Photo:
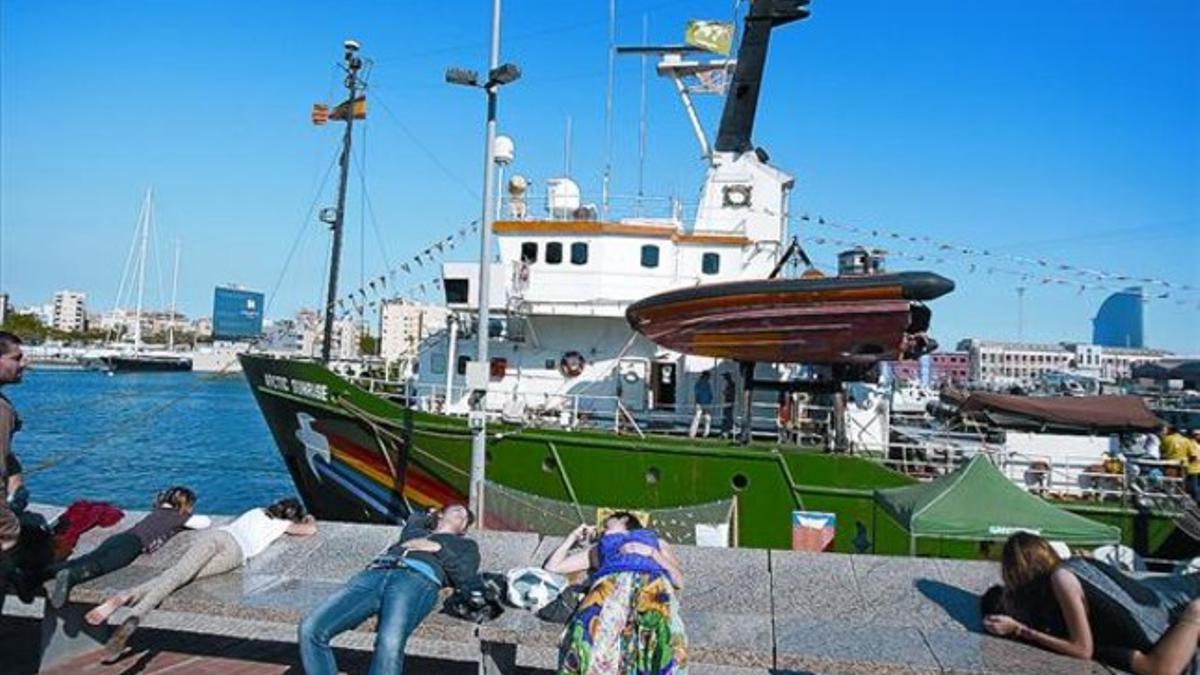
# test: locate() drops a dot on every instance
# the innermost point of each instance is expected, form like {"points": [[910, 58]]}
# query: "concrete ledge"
{"points": [[745, 611]]}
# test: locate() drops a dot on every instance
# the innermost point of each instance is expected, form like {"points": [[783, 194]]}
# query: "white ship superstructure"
{"points": [[565, 276]]}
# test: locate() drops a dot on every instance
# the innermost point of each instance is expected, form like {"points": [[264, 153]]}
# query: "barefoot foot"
{"points": [[100, 613]]}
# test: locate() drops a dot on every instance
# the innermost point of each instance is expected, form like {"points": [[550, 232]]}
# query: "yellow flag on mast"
{"points": [[711, 36]]}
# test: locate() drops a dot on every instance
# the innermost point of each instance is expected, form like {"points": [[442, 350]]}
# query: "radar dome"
{"points": [[503, 149]]}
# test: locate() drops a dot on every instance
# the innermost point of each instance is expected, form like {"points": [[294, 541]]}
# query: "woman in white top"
{"points": [[214, 552]]}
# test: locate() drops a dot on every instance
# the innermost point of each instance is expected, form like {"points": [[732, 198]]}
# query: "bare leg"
{"points": [[148, 595], [1175, 649], [100, 613]]}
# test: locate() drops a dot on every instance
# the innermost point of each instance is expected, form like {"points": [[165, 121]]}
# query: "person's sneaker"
{"points": [[62, 588], [20, 582], [120, 637]]}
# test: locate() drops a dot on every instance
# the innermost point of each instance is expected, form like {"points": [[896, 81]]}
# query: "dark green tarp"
{"points": [[978, 502]]}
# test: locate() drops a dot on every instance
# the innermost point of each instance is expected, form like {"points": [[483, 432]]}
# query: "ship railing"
{"points": [[629, 208], [809, 426], [532, 206], [1097, 478], [935, 455]]}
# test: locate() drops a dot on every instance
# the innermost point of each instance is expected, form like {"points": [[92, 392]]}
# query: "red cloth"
{"points": [[80, 517]]}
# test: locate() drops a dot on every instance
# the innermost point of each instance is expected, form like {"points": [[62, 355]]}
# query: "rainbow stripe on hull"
{"points": [[364, 473]]}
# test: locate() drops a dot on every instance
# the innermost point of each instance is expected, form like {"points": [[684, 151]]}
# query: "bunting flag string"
{"points": [[428, 254], [1084, 272], [1024, 276]]}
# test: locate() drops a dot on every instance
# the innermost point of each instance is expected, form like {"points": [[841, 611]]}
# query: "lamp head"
{"points": [[462, 76]]}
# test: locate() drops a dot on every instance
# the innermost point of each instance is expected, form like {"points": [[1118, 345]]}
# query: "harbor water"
{"points": [[120, 438]]}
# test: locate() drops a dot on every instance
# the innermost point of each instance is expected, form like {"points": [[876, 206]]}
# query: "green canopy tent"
{"points": [[977, 502]]}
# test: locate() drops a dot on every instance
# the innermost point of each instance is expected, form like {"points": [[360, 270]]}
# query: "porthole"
{"points": [[549, 465], [739, 482], [652, 475]]}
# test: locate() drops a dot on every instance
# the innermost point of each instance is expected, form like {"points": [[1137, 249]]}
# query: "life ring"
{"points": [[571, 364]]}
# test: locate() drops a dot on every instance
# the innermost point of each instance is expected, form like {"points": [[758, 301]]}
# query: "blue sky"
{"points": [[1066, 130]]}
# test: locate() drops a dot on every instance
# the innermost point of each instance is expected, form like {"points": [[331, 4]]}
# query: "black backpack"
{"points": [[480, 603]]}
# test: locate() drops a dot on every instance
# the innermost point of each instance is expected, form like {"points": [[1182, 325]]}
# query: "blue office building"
{"points": [[237, 313], [1119, 321]]}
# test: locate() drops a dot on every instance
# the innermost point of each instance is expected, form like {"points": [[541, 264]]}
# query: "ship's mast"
{"points": [[147, 209], [352, 65], [737, 118]]}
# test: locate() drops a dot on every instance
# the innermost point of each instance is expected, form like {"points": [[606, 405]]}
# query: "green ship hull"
{"points": [[358, 456]]}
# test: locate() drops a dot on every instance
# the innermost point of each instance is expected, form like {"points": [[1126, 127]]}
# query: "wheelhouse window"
{"points": [[579, 253], [554, 253], [710, 263], [529, 251], [457, 291], [437, 363], [461, 366], [650, 256]]}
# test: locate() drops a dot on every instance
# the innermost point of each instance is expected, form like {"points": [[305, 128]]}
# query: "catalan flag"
{"points": [[320, 114]]}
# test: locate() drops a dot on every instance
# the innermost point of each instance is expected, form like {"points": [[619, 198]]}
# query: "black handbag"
{"points": [[563, 607]]}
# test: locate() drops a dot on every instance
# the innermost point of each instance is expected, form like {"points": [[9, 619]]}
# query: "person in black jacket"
{"points": [[401, 586]]}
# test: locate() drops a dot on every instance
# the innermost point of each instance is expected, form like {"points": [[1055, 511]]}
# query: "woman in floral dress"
{"points": [[628, 623]]}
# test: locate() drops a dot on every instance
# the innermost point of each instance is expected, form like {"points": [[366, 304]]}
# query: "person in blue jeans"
{"points": [[401, 586]]}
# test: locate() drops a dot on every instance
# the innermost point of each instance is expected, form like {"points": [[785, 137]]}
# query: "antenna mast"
{"points": [[352, 65], [608, 107], [174, 292]]}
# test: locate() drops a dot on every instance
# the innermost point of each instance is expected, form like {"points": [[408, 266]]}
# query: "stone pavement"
{"points": [[746, 611]]}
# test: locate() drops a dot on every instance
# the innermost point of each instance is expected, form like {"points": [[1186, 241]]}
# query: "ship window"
{"points": [[529, 252], [437, 364], [650, 256], [579, 253], [461, 366], [551, 364], [457, 291], [553, 253], [710, 263]]}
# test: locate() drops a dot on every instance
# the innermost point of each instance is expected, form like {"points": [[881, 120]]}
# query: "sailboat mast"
{"points": [[174, 292], [352, 66], [147, 208]]}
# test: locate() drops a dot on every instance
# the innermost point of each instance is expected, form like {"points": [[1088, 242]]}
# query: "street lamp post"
{"points": [[479, 373]]}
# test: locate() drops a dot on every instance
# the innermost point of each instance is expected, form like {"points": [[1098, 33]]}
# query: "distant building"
{"points": [[1119, 321], [346, 334], [70, 312], [306, 331], [43, 313], [4, 308], [160, 323], [995, 362], [203, 327], [933, 369], [237, 314], [403, 325]]}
